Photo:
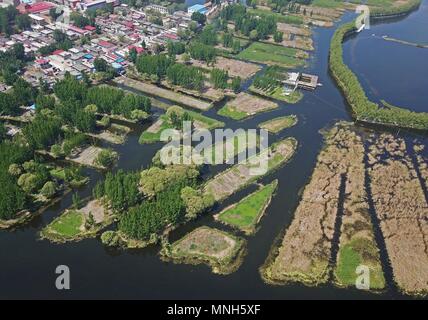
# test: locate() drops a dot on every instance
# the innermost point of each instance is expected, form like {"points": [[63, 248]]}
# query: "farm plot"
{"points": [[234, 67], [240, 175], [245, 105], [274, 54]]}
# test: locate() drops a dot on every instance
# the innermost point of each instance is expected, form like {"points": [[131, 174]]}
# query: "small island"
{"points": [[247, 213], [218, 249]]}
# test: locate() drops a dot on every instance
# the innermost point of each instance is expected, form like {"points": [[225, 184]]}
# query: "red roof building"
{"points": [[138, 49], [37, 7], [105, 44], [57, 52], [90, 28]]}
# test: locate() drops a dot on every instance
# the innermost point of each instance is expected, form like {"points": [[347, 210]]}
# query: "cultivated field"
{"points": [[234, 67], [274, 54], [245, 105], [164, 93], [238, 176]]}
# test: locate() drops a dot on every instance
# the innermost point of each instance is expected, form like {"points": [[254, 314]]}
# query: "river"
{"points": [[27, 265]]}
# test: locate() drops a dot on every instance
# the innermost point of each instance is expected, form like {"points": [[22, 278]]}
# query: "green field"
{"points": [[247, 212], [58, 173], [359, 252], [327, 3], [231, 112], [67, 225], [278, 16], [273, 54], [209, 123], [152, 137], [277, 94]]}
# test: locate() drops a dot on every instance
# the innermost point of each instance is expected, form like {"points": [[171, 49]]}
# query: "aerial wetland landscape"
{"points": [[340, 99]]}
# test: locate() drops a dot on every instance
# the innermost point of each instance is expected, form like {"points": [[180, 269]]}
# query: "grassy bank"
{"points": [[363, 109], [276, 125]]}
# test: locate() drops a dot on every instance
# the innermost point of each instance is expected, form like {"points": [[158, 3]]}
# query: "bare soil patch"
{"points": [[228, 182], [234, 67], [164, 93], [250, 104]]}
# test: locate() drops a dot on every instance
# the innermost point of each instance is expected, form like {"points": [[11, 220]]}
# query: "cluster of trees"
{"points": [[248, 24], [106, 158], [81, 21], [176, 115], [155, 179], [278, 36], [61, 42], [114, 101], [159, 66], [12, 198], [173, 198], [186, 76], [199, 17], [201, 51], [75, 96], [208, 36], [3, 132], [152, 216], [11, 61], [270, 80], [22, 93], [196, 201], [156, 65], [119, 190], [230, 42], [42, 131], [218, 78], [73, 114], [11, 21], [364, 109], [70, 142], [174, 48], [292, 6]]}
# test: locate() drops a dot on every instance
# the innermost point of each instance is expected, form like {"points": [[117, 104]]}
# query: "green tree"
{"points": [[48, 189]]}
